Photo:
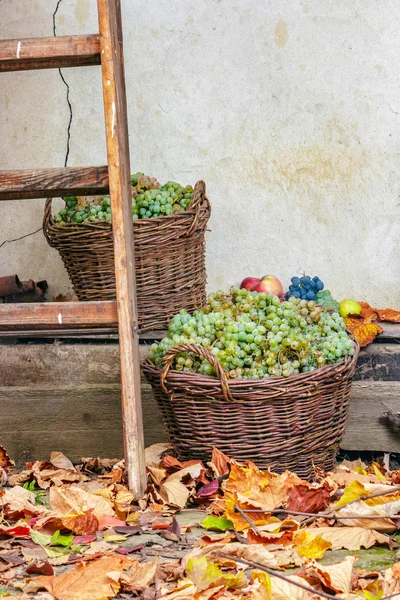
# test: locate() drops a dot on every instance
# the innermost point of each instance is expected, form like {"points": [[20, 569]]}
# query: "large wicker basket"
{"points": [[279, 423], [169, 259]]}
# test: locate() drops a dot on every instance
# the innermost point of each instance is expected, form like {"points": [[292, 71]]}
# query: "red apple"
{"points": [[269, 284], [249, 283]]}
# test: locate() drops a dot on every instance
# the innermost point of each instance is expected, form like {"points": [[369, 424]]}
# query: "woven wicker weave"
{"points": [[279, 423], [169, 258]]}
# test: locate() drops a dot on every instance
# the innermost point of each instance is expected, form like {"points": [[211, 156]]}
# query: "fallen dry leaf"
{"points": [[350, 538], [220, 462], [206, 574], [139, 576], [89, 581], [74, 500], [18, 502], [5, 460], [364, 333], [60, 461], [388, 314], [304, 498], [155, 453], [174, 493], [335, 577], [84, 523]]}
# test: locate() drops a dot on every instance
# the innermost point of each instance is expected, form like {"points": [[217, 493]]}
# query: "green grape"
{"points": [[255, 336]]}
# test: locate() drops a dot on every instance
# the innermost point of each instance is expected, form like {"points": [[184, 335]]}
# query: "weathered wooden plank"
{"points": [[50, 52], [115, 110], [77, 420], [46, 183], [379, 362], [391, 332], [57, 315], [366, 429]]}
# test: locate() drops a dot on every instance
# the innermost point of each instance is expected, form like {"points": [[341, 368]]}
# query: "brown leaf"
{"points": [[154, 454], [334, 577], [350, 538], [5, 460], [174, 493], [368, 314], [304, 498], [60, 461], [96, 580], [388, 314], [18, 502], [157, 475], [220, 462], [74, 500], [84, 523], [139, 576]]}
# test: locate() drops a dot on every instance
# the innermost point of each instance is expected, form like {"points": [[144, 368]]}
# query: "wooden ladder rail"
{"points": [[105, 49]]}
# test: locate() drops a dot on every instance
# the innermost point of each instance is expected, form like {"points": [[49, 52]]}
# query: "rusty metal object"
{"points": [[12, 290], [10, 285]]}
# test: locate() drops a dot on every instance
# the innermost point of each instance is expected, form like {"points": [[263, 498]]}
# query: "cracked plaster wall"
{"points": [[289, 110]]}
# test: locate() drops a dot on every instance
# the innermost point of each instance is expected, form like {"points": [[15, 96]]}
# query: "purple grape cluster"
{"points": [[305, 288]]}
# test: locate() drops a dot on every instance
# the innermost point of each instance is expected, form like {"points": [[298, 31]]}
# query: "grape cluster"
{"points": [[304, 288], [254, 336], [325, 298], [149, 199]]}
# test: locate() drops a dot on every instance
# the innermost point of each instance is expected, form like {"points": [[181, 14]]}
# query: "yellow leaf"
{"points": [[264, 590], [310, 545], [117, 537], [207, 575], [352, 492], [378, 473]]}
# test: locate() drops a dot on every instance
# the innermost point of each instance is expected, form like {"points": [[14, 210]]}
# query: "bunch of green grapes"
{"points": [[254, 336], [326, 299], [149, 199], [168, 199]]}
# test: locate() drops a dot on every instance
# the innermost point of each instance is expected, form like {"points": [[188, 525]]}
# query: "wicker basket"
{"points": [[279, 423], [169, 259]]}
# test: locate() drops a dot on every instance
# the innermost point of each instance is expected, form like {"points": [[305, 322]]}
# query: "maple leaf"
{"points": [[335, 577], [75, 500], [388, 314], [83, 523], [96, 580], [350, 538], [304, 498], [364, 333], [309, 545], [219, 462], [368, 314]]}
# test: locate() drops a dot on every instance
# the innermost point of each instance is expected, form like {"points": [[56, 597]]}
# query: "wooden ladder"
{"points": [[106, 50]]}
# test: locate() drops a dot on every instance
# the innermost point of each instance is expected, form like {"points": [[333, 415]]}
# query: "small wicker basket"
{"points": [[279, 423], [169, 260]]}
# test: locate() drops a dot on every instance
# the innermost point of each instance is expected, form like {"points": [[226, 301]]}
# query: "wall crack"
{"points": [[68, 90]]}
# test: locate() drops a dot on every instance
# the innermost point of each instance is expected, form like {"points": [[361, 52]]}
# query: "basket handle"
{"points": [[46, 219], [199, 197], [201, 351]]}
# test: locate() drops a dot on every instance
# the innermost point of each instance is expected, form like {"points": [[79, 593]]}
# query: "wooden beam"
{"points": [[50, 52], [48, 183], [112, 63], [58, 315]]}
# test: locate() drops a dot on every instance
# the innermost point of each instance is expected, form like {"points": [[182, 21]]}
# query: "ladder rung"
{"points": [[58, 315], [46, 183], [50, 52]]}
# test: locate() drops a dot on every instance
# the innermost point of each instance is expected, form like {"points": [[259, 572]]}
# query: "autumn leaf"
{"points": [[154, 454], [205, 575], [309, 545], [18, 502], [74, 500], [368, 314], [139, 576], [354, 491], [288, 590], [174, 493], [264, 591], [5, 460], [350, 538], [335, 577], [304, 498], [388, 314], [60, 461], [83, 523], [89, 581], [220, 462], [364, 333]]}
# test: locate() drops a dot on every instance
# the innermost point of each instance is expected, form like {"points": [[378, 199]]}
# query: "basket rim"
{"points": [[107, 225], [267, 382]]}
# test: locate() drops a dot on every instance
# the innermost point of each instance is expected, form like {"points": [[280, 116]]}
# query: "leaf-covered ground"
{"points": [[212, 531]]}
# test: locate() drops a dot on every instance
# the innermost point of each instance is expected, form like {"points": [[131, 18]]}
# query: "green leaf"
{"points": [[217, 523], [57, 551], [40, 538], [61, 540]]}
